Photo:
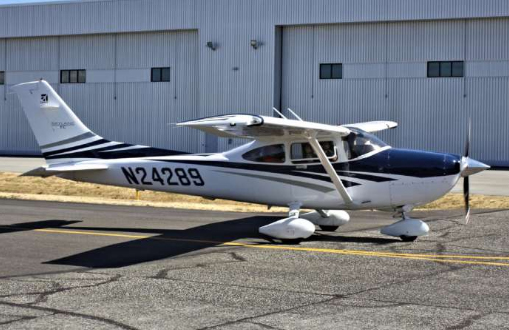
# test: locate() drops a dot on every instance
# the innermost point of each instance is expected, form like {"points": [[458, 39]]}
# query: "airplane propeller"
{"points": [[469, 166]]}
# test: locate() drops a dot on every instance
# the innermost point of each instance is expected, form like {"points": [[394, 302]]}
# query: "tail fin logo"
{"points": [[44, 98], [62, 124]]}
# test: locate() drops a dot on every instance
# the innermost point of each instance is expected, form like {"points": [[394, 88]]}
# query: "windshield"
{"points": [[359, 143]]}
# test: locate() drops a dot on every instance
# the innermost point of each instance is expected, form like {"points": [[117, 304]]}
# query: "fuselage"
{"points": [[381, 179]]}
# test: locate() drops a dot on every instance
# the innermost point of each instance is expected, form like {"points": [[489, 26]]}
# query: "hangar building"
{"points": [[128, 68]]}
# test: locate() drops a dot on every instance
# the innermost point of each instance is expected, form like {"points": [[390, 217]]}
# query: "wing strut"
{"points": [[329, 168]]}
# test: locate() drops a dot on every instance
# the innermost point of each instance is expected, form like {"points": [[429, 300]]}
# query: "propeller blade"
{"points": [[469, 132], [466, 197]]}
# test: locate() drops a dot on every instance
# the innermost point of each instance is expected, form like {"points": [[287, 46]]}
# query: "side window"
{"points": [[267, 154], [2, 77], [304, 153]]}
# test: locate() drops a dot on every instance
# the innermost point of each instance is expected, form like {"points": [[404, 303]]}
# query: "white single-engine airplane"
{"points": [[291, 163]]}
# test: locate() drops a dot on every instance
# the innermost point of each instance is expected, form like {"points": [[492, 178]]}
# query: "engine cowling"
{"points": [[289, 228], [334, 218]]}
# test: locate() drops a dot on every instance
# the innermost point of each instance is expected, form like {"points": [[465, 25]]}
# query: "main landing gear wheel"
{"points": [[328, 228], [295, 241], [405, 238]]}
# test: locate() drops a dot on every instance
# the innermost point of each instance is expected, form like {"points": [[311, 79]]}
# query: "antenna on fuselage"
{"points": [[279, 113], [294, 114]]}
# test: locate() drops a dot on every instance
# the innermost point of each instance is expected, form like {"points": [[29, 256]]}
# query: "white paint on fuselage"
{"points": [[249, 185]]}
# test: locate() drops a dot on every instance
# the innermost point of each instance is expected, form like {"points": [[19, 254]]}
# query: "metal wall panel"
{"points": [[23, 76], [32, 54], [3, 54], [406, 70], [299, 70], [430, 112], [350, 43], [488, 39], [487, 69], [86, 17], [424, 41], [488, 105], [90, 52], [146, 50], [236, 77]]}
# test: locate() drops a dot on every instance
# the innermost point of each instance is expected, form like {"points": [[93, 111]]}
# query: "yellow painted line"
{"points": [[381, 254], [95, 233], [372, 254], [390, 254]]}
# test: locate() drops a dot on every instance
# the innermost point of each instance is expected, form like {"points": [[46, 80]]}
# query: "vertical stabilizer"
{"points": [[54, 124]]}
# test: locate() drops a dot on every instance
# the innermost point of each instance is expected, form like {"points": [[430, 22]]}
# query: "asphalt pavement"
{"points": [[109, 267]]}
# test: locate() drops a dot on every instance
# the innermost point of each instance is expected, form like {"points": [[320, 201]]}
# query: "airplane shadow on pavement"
{"points": [[27, 226], [169, 243]]}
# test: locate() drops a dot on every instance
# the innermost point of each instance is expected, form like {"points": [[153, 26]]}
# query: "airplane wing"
{"points": [[46, 171], [373, 126], [254, 126]]}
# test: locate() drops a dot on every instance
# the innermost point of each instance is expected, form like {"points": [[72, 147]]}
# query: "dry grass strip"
{"points": [[56, 189]]}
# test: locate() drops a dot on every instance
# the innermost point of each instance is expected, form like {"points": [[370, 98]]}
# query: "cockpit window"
{"points": [[304, 153], [359, 143], [267, 154]]}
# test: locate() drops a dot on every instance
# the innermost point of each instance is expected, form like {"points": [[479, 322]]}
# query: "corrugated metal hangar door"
{"points": [[333, 101], [118, 100], [384, 77]]}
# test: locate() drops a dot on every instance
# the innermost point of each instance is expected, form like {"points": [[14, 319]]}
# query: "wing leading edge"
{"points": [[254, 127], [374, 126]]}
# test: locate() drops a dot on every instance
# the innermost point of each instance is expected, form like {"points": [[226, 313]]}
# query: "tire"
{"points": [[405, 238], [295, 241], [328, 228]]}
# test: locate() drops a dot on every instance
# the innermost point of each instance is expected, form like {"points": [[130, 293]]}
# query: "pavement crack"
{"points": [[163, 273], [250, 319], [450, 268], [265, 326], [251, 287], [69, 313], [42, 296], [466, 322], [19, 318], [344, 302]]}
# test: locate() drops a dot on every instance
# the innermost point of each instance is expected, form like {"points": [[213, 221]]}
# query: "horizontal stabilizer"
{"points": [[46, 171]]}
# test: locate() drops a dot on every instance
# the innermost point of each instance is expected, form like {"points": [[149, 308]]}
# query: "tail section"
{"points": [[62, 136], [55, 126]]}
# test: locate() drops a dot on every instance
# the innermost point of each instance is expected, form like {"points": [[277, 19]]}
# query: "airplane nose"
{"points": [[471, 166]]}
